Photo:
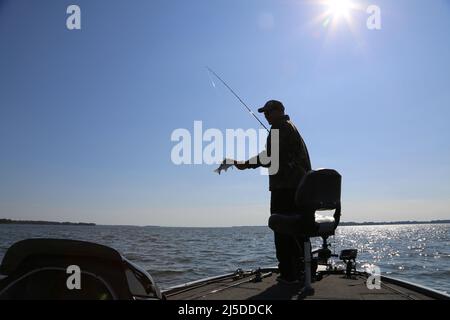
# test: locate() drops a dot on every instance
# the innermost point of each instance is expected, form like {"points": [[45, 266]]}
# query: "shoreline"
{"points": [[44, 223], [342, 224]]}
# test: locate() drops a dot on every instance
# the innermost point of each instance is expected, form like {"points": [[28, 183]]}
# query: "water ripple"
{"points": [[179, 255]]}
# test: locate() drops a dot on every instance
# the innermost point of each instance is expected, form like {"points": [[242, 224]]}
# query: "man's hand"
{"points": [[241, 165]]}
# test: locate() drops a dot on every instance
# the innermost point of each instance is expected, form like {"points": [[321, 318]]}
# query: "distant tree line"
{"points": [[392, 223], [9, 221]]}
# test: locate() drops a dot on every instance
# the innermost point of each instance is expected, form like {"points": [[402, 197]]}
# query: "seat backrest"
{"points": [[319, 190], [38, 260]]}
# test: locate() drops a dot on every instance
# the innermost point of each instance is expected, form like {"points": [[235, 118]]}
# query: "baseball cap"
{"points": [[271, 105]]}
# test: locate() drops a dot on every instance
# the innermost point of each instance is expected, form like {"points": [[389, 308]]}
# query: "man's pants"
{"points": [[289, 254]]}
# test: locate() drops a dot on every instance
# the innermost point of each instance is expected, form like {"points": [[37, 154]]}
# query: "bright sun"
{"points": [[336, 11], [339, 8]]}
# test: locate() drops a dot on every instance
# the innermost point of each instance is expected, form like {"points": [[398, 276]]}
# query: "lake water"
{"points": [[416, 253]]}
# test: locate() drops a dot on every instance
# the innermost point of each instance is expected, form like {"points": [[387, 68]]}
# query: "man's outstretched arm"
{"points": [[252, 163]]}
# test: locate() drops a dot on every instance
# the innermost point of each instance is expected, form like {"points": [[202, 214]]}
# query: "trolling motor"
{"points": [[349, 258]]}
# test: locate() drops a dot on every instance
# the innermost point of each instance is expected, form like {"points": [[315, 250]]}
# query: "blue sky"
{"points": [[86, 116]]}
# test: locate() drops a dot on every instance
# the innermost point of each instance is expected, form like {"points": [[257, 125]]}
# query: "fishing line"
{"points": [[212, 80], [235, 94]]}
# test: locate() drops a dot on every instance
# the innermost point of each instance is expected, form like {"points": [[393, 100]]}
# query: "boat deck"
{"points": [[331, 286]]}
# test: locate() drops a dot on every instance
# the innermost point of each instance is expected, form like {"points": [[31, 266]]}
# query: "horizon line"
{"points": [[342, 223]]}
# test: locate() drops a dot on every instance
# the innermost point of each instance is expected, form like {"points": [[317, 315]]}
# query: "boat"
{"points": [[37, 269], [70, 270]]}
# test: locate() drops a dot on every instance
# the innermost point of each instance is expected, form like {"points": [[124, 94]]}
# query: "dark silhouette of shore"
{"points": [[392, 223], [49, 223]]}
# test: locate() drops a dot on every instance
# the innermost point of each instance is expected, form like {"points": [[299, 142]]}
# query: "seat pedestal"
{"points": [[307, 289], [291, 225]]}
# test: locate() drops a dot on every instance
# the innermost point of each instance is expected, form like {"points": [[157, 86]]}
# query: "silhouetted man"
{"points": [[294, 163]]}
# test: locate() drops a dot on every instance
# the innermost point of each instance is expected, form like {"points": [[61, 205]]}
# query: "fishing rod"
{"points": [[234, 93]]}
